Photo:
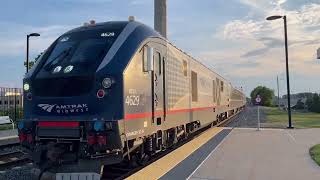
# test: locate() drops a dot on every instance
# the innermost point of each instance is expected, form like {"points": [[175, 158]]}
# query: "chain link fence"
{"points": [[11, 103]]}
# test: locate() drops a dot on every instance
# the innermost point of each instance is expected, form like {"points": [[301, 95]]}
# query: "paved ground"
{"points": [[179, 163], [248, 154], [6, 133], [8, 137], [248, 118]]}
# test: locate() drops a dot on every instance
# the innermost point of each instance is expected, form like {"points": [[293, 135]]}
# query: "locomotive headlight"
{"points": [[107, 82], [26, 87]]}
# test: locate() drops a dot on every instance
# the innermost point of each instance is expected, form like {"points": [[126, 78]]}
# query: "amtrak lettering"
{"points": [[64, 109], [134, 133]]}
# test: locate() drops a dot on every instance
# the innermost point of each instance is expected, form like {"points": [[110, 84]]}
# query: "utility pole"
{"points": [[278, 92], [160, 17]]}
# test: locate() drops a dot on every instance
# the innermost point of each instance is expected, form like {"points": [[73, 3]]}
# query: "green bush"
{"points": [[313, 103], [265, 93]]}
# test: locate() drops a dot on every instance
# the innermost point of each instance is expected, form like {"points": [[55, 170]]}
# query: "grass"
{"points": [[315, 153], [277, 117]]}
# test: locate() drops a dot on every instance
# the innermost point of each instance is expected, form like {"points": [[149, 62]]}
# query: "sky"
{"points": [[231, 37]]}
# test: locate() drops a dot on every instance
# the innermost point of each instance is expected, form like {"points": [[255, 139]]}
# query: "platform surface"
{"points": [[8, 137], [267, 154], [182, 161], [8, 133]]}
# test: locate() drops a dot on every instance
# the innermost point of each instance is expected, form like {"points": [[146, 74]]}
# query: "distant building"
{"points": [[10, 98], [293, 100]]}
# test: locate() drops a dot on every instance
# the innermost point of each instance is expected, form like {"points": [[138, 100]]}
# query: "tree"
{"points": [[265, 93], [299, 105], [31, 63], [313, 103]]}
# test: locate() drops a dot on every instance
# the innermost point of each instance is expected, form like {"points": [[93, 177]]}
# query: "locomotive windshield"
{"points": [[78, 53], [68, 67]]}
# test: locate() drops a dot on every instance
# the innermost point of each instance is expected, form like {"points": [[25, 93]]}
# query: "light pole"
{"points": [[270, 18], [28, 36], [278, 92]]}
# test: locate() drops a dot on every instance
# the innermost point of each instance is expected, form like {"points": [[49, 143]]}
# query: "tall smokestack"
{"points": [[160, 17]]}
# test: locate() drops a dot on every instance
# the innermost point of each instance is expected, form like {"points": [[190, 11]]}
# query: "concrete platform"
{"points": [[9, 137], [267, 154], [182, 161]]}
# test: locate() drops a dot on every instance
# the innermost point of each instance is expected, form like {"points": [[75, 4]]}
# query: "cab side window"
{"points": [[144, 59], [157, 63]]}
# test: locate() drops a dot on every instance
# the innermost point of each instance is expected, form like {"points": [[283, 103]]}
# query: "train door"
{"points": [[158, 109]]}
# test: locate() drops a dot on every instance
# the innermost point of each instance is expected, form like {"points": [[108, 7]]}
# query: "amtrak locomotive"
{"points": [[107, 92]]}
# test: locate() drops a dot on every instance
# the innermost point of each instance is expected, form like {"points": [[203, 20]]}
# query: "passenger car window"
{"points": [[194, 86], [185, 68], [214, 90], [221, 86]]}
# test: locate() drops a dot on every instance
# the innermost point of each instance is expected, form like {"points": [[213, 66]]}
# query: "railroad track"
{"points": [[227, 121], [11, 156]]}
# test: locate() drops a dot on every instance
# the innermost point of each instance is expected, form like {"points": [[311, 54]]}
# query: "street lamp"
{"points": [[271, 18], [28, 36]]}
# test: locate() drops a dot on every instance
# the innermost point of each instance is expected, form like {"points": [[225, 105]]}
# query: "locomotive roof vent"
{"points": [[92, 22], [131, 18]]}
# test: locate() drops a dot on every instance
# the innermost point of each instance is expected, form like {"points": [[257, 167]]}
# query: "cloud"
{"points": [[16, 44], [139, 2], [88, 1], [263, 6], [256, 52], [310, 15], [239, 29], [259, 44]]}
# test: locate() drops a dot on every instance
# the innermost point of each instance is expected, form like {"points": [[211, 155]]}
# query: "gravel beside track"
{"points": [[20, 172], [17, 173], [9, 148]]}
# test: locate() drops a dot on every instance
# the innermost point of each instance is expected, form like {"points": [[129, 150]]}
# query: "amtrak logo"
{"points": [[47, 107], [64, 109]]}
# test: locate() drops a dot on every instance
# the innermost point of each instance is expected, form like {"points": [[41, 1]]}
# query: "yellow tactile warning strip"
{"points": [[160, 167]]}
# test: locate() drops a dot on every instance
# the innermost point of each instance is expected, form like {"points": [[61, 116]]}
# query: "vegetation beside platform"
{"points": [[315, 153], [279, 118]]}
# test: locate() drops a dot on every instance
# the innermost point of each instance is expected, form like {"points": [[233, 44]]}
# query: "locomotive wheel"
{"points": [[142, 158]]}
